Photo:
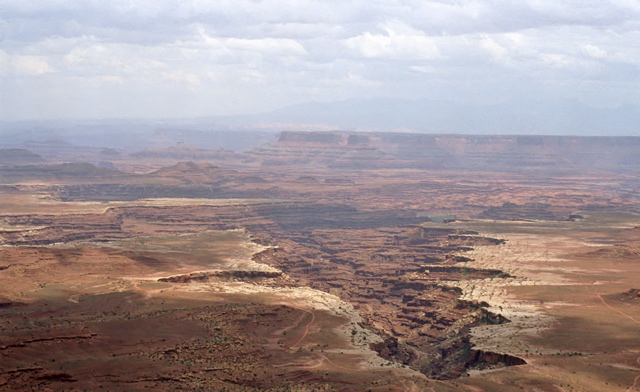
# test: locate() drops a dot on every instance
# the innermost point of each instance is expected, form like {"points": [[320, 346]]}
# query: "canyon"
{"points": [[323, 261]]}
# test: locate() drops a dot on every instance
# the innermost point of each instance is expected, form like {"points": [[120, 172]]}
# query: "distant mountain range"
{"points": [[244, 132]]}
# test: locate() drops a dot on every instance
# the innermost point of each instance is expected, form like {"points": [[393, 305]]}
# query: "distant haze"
{"points": [[500, 67]]}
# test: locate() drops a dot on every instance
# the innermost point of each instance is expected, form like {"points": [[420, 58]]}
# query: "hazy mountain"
{"points": [[245, 132]]}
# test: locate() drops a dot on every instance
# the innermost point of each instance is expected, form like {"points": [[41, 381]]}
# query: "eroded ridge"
{"points": [[339, 261]]}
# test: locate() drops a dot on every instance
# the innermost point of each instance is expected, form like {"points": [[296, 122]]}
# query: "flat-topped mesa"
{"points": [[478, 152], [71, 172], [311, 137], [196, 173], [336, 138], [185, 152], [18, 156], [325, 149]]}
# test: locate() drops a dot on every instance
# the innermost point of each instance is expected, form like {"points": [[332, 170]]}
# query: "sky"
{"points": [[95, 59]]}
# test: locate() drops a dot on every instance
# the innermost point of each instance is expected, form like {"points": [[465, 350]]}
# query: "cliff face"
{"points": [[478, 152], [381, 262], [323, 149]]}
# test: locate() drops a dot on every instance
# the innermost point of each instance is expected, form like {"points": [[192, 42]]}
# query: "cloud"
{"points": [[497, 52], [201, 57], [273, 46], [399, 41], [20, 66]]}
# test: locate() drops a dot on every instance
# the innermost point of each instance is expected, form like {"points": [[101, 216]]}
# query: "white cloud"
{"points": [[498, 52], [594, 51], [352, 79], [186, 78], [200, 57], [272, 46], [20, 66], [398, 42]]}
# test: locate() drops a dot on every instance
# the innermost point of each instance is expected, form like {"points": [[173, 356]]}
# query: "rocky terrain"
{"points": [[322, 261], [18, 156], [501, 153]]}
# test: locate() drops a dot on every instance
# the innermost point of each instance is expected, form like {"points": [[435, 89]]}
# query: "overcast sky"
{"points": [[161, 59]]}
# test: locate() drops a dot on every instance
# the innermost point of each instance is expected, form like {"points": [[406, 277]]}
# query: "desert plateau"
{"points": [[322, 261]]}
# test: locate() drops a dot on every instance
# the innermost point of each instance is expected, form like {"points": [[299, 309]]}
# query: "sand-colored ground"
{"points": [[569, 318], [132, 281], [323, 341]]}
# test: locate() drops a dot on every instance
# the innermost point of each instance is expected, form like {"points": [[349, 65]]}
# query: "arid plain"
{"points": [[323, 261]]}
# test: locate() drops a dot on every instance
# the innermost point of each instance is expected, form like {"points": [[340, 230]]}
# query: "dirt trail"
{"points": [[317, 362], [634, 385], [306, 329], [586, 285], [636, 379], [616, 310]]}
